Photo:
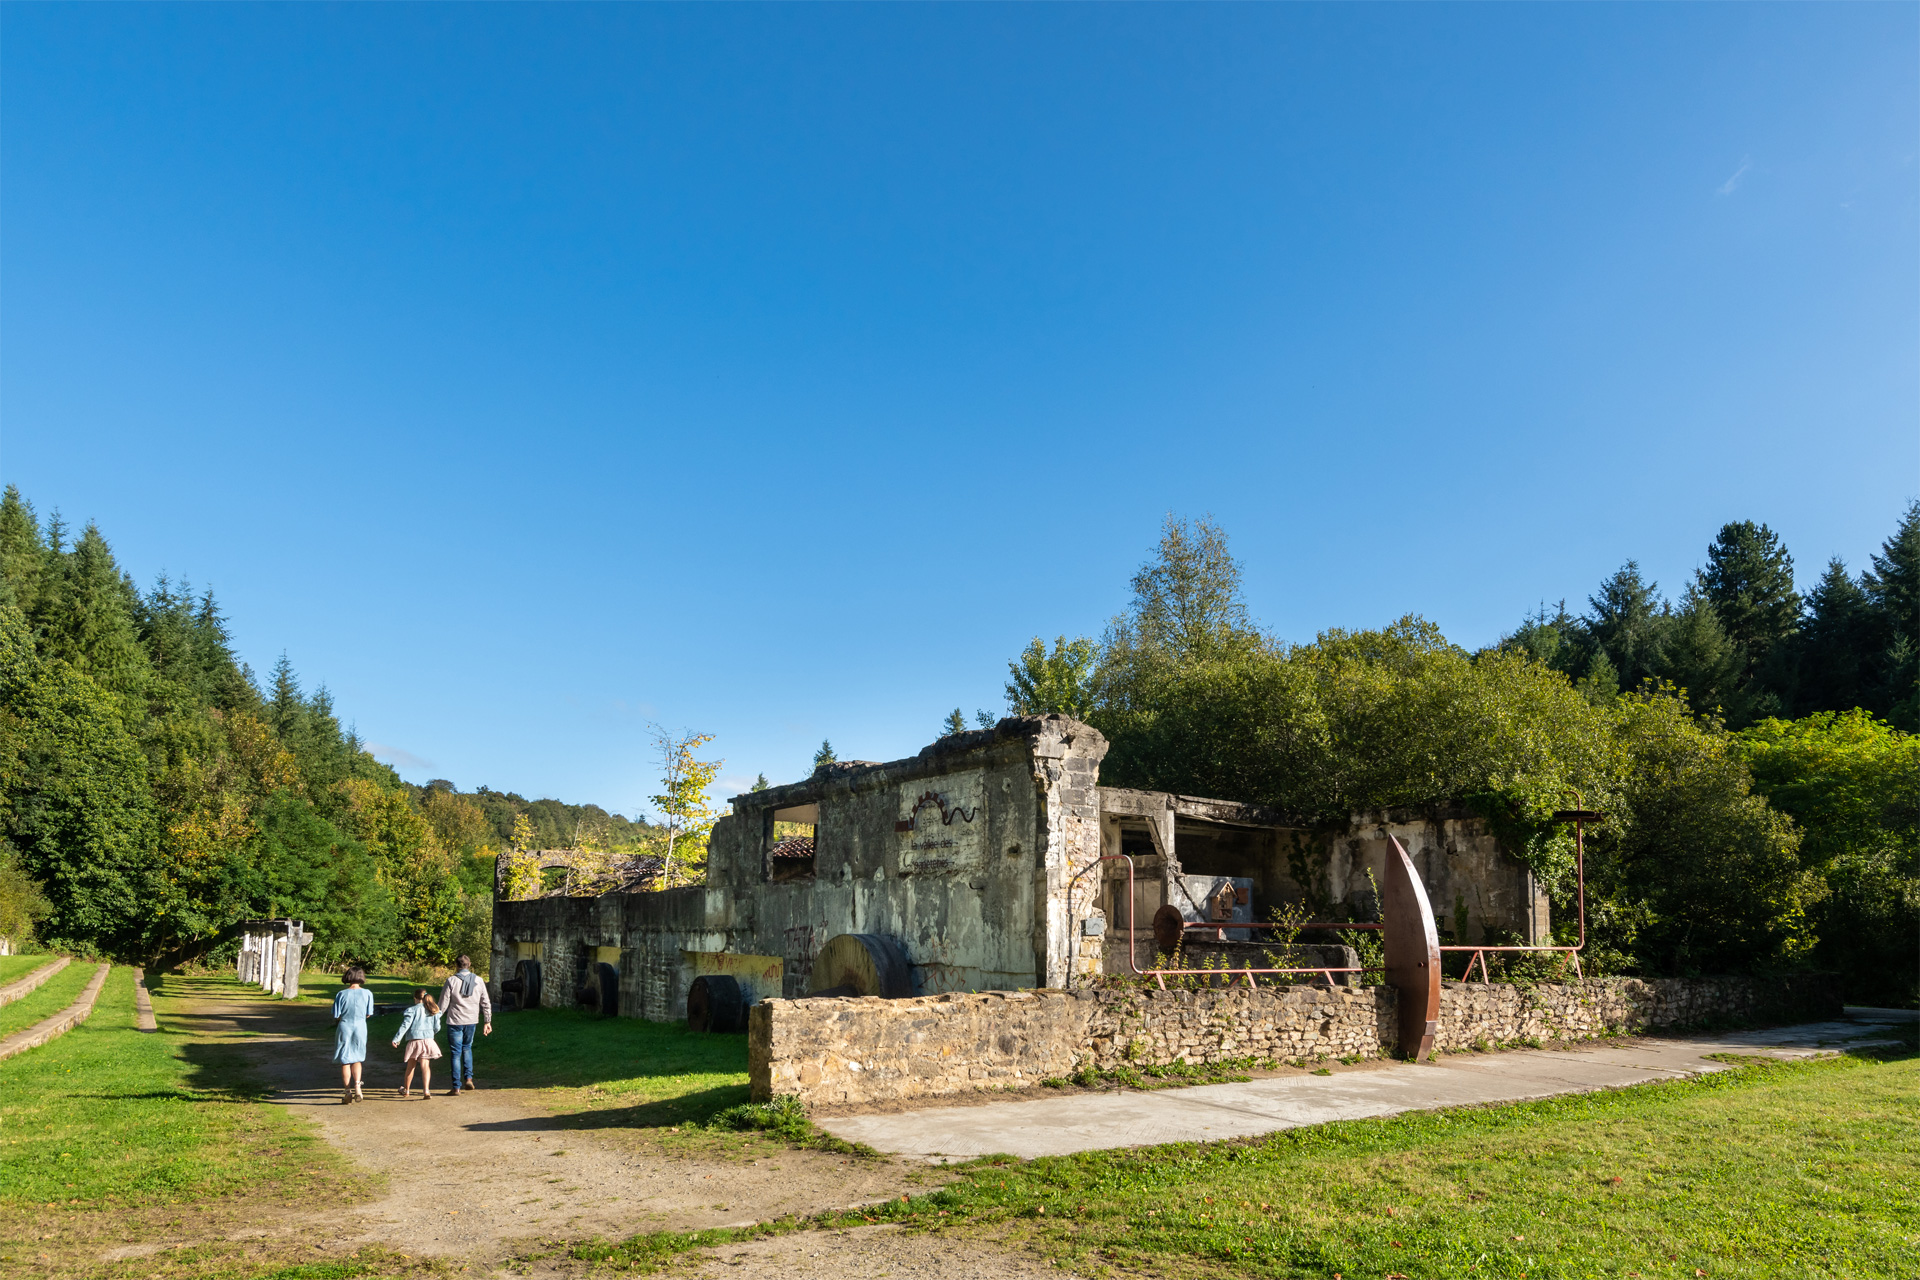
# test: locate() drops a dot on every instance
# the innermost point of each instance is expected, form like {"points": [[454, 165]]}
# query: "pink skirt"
{"points": [[418, 1049]]}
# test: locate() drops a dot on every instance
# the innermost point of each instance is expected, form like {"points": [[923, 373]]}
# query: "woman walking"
{"points": [[351, 1008], [418, 1028]]}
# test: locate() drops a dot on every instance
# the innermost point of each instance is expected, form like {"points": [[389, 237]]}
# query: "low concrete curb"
{"points": [[24, 986], [60, 1023], [143, 1019]]}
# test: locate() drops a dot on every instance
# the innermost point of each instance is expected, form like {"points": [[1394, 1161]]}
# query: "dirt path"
{"points": [[475, 1175]]}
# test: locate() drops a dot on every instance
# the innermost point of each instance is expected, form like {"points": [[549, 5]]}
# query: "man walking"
{"points": [[464, 1006]]}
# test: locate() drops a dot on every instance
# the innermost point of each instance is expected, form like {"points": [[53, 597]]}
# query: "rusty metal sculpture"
{"points": [[1413, 953]]}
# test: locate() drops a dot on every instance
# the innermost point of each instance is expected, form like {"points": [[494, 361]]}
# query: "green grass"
{"points": [[108, 1115], [53, 995], [13, 967], [1768, 1171], [653, 1074]]}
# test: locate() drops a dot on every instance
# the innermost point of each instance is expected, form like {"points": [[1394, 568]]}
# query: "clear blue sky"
{"points": [[531, 373]]}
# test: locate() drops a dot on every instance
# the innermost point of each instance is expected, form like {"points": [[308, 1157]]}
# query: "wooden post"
{"points": [[1413, 953]]}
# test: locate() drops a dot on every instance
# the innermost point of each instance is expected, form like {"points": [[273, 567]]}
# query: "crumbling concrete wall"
{"points": [[968, 854], [855, 1051], [981, 859]]}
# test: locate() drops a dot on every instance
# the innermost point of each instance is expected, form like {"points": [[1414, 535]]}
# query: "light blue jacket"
{"points": [[417, 1024]]}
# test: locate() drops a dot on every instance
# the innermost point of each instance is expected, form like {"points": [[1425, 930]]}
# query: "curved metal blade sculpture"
{"points": [[1413, 953]]}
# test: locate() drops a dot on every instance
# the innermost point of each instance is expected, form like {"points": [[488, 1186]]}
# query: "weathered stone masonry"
{"points": [[980, 862], [851, 1051]]}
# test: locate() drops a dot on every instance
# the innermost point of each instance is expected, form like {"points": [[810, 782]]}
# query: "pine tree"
{"points": [[824, 756], [1627, 622], [285, 707], [956, 722], [1749, 579], [1701, 658], [82, 616], [1832, 671], [23, 555], [1893, 596]]}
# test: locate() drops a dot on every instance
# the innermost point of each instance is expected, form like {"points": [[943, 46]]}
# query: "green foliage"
{"points": [[23, 905], [1853, 784], [1368, 720], [1748, 579], [1694, 873], [152, 795], [78, 808], [956, 722], [1042, 683], [824, 756]]}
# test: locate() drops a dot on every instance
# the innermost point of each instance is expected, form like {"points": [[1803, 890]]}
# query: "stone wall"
{"points": [[853, 1051], [1478, 1013]]}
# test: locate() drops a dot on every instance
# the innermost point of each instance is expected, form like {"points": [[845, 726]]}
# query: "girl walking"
{"points": [[417, 1028], [350, 1011]]}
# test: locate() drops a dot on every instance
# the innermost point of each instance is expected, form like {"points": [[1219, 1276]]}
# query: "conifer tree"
{"points": [[82, 616], [1893, 594], [1749, 579], [23, 556], [1626, 621], [956, 722], [1830, 667]]}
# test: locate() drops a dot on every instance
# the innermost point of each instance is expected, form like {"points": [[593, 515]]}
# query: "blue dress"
{"points": [[352, 1007]]}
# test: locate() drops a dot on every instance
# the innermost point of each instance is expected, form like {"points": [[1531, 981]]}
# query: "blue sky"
{"points": [[528, 374]]}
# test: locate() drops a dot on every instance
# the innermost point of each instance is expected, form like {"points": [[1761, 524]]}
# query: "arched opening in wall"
{"points": [[596, 986], [790, 842]]}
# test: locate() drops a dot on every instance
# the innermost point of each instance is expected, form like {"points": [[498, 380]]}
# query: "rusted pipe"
{"points": [[1161, 975]]}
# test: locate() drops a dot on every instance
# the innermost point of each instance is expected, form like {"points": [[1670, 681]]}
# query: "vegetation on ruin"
{"points": [[1765, 1170], [1779, 843]]}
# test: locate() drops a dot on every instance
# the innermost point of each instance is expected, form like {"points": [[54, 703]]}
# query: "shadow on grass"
{"points": [[688, 1108], [633, 1074]]}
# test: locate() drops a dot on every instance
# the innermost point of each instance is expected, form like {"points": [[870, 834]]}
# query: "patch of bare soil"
{"points": [[872, 1253]]}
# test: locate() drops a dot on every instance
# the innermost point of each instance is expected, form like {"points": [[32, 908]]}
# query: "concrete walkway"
{"points": [[1060, 1125]]}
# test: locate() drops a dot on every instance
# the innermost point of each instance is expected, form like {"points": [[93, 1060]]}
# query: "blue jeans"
{"points": [[460, 1051]]}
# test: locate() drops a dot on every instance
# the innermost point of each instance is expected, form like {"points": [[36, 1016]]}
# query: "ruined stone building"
{"points": [[978, 865]]}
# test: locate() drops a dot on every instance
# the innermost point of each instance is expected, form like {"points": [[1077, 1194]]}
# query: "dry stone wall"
{"points": [[1478, 1013], [864, 1050]]}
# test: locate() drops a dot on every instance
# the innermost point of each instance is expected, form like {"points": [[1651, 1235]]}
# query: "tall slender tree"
{"points": [[23, 554], [1749, 579], [1893, 593], [1830, 668], [1625, 621]]}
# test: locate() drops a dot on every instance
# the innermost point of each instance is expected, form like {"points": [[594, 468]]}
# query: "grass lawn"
{"points": [[1769, 1171], [108, 1114], [646, 1075], [13, 967], [109, 1136], [53, 995]]}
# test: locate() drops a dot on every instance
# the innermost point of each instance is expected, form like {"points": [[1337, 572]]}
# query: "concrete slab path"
{"points": [[1061, 1125]]}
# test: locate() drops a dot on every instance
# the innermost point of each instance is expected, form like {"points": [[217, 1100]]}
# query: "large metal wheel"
{"points": [[527, 973], [714, 1003], [1168, 926], [865, 964], [609, 990]]}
